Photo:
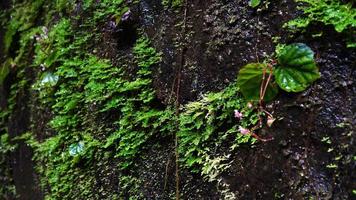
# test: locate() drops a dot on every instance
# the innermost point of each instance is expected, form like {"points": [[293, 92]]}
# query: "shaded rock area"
{"points": [[20, 161], [297, 162], [221, 37], [157, 168], [312, 154]]}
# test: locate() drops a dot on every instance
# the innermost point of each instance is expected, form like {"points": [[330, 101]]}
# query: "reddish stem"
{"points": [[266, 85], [262, 85], [261, 139], [263, 89]]}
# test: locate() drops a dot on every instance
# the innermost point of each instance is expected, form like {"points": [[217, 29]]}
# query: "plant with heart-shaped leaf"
{"points": [[293, 70], [296, 68]]}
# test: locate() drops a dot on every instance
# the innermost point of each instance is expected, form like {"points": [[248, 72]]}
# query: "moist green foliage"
{"points": [[89, 87], [18, 23], [80, 89], [134, 99], [51, 45], [23, 17], [172, 3], [100, 117], [209, 134], [329, 12], [341, 16], [209, 124], [58, 61], [7, 189]]}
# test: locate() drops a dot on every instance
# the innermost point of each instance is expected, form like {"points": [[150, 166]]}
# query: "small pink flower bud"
{"points": [[243, 131], [249, 105], [238, 114]]}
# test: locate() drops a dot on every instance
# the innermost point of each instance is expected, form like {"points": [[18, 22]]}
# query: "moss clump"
{"points": [[329, 12], [341, 16], [209, 134], [210, 124]]}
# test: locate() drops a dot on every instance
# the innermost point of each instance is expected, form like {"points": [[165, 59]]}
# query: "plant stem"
{"points": [[261, 139], [181, 64], [262, 86], [267, 82], [263, 89]]}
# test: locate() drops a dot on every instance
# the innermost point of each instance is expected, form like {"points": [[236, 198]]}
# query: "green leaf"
{"points": [[5, 70], [296, 68], [249, 81], [254, 3]]}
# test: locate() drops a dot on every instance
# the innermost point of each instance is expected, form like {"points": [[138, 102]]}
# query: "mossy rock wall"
{"points": [[98, 92]]}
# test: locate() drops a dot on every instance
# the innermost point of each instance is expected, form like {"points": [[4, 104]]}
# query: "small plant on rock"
{"points": [[293, 70]]}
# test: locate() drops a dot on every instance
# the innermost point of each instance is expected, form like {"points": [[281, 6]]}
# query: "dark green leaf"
{"points": [[250, 79], [296, 68]]}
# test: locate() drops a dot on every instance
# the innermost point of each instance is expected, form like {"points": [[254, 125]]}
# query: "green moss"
{"points": [[131, 187], [172, 3], [7, 188], [52, 44], [208, 125], [103, 117], [22, 18], [341, 16], [329, 12]]}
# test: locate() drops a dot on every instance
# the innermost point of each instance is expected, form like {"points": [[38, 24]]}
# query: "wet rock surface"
{"points": [[314, 141], [157, 168], [221, 36], [301, 162]]}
